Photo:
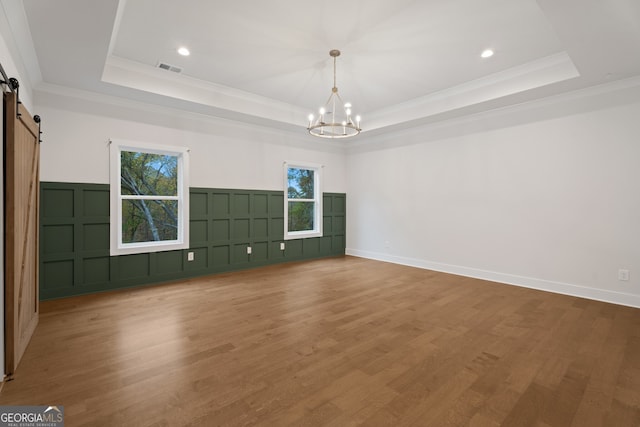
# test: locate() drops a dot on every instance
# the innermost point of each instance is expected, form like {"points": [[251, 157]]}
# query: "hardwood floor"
{"points": [[334, 342]]}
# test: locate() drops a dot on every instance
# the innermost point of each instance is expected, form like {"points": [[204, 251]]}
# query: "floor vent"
{"points": [[168, 67]]}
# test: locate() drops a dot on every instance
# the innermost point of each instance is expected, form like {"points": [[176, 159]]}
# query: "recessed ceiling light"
{"points": [[184, 51], [488, 53]]}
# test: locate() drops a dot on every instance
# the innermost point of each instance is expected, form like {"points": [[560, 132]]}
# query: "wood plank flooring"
{"points": [[334, 342]]}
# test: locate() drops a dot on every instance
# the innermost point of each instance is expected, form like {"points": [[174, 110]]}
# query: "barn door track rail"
{"points": [[13, 85]]}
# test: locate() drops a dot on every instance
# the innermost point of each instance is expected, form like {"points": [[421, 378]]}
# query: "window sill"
{"points": [[302, 235]]}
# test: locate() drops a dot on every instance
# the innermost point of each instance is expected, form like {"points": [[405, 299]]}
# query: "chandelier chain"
{"points": [[334, 73]]}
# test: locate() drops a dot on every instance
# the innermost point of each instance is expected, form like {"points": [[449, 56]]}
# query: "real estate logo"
{"points": [[31, 416]]}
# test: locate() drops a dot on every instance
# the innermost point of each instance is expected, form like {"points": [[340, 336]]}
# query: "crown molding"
{"points": [[130, 74], [86, 102], [585, 99], [542, 72]]}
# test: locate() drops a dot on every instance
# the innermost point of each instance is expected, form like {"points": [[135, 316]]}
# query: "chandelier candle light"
{"points": [[332, 123]]}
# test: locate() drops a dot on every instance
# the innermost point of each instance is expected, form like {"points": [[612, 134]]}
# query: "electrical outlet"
{"points": [[190, 256], [623, 275], [248, 250], [282, 246]]}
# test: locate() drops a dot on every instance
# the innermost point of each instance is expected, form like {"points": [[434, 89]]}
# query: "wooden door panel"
{"points": [[22, 159]]}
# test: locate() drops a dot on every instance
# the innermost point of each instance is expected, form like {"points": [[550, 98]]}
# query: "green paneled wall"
{"points": [[74, 238]]}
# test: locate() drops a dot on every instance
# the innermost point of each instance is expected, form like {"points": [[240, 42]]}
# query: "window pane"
{"points": [[148, 174], [301, 216], [149, 220], [300, 183]]}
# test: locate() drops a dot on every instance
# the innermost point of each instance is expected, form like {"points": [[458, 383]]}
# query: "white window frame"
{"points": [[317, 200], [182, 242]]}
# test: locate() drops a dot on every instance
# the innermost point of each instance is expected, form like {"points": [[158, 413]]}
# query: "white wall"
{"points": [[12, 61], [223, 154], [545, 196]]}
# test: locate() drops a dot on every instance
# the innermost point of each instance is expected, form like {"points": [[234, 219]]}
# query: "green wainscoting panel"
{"points": [[136, 266], [95, 204], [59, 202], [200, 261], [261, 228], [198, 231], [223, 223], [169, 262], [261, 205], [241, 229], [60, 275], [95, 271], [241, 204], [325, 244], [198, 204], [240, 256], [275, 252], [221, 230], [95, 237], [221, 258], [293, 249], [58, 239]]}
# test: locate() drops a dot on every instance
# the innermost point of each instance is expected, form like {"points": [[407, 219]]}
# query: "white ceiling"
{"points": [[403, 62]]}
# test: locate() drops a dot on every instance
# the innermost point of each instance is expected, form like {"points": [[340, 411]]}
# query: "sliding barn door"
{"points": [[22, 184]]}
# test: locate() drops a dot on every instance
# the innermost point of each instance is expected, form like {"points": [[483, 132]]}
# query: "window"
{"points": [[303, 201], [149, 198]]}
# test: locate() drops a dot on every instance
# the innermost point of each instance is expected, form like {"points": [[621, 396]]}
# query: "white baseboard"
{"points": [[619, 298]]}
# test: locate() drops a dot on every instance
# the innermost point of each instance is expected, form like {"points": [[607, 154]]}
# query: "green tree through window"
{"points": [[149, 198], [303, 202], [301, 208], [143, 176]]}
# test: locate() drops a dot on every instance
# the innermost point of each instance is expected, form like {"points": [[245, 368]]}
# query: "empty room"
{"points": [[297, 213]]}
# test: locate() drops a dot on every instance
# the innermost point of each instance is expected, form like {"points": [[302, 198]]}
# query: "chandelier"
{"points": [[335, 119]]}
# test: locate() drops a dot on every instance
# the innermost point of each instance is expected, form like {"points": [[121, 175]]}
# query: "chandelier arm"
{"points": [[344, 109], [341, 102], [333, 110], [329, 99]]}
